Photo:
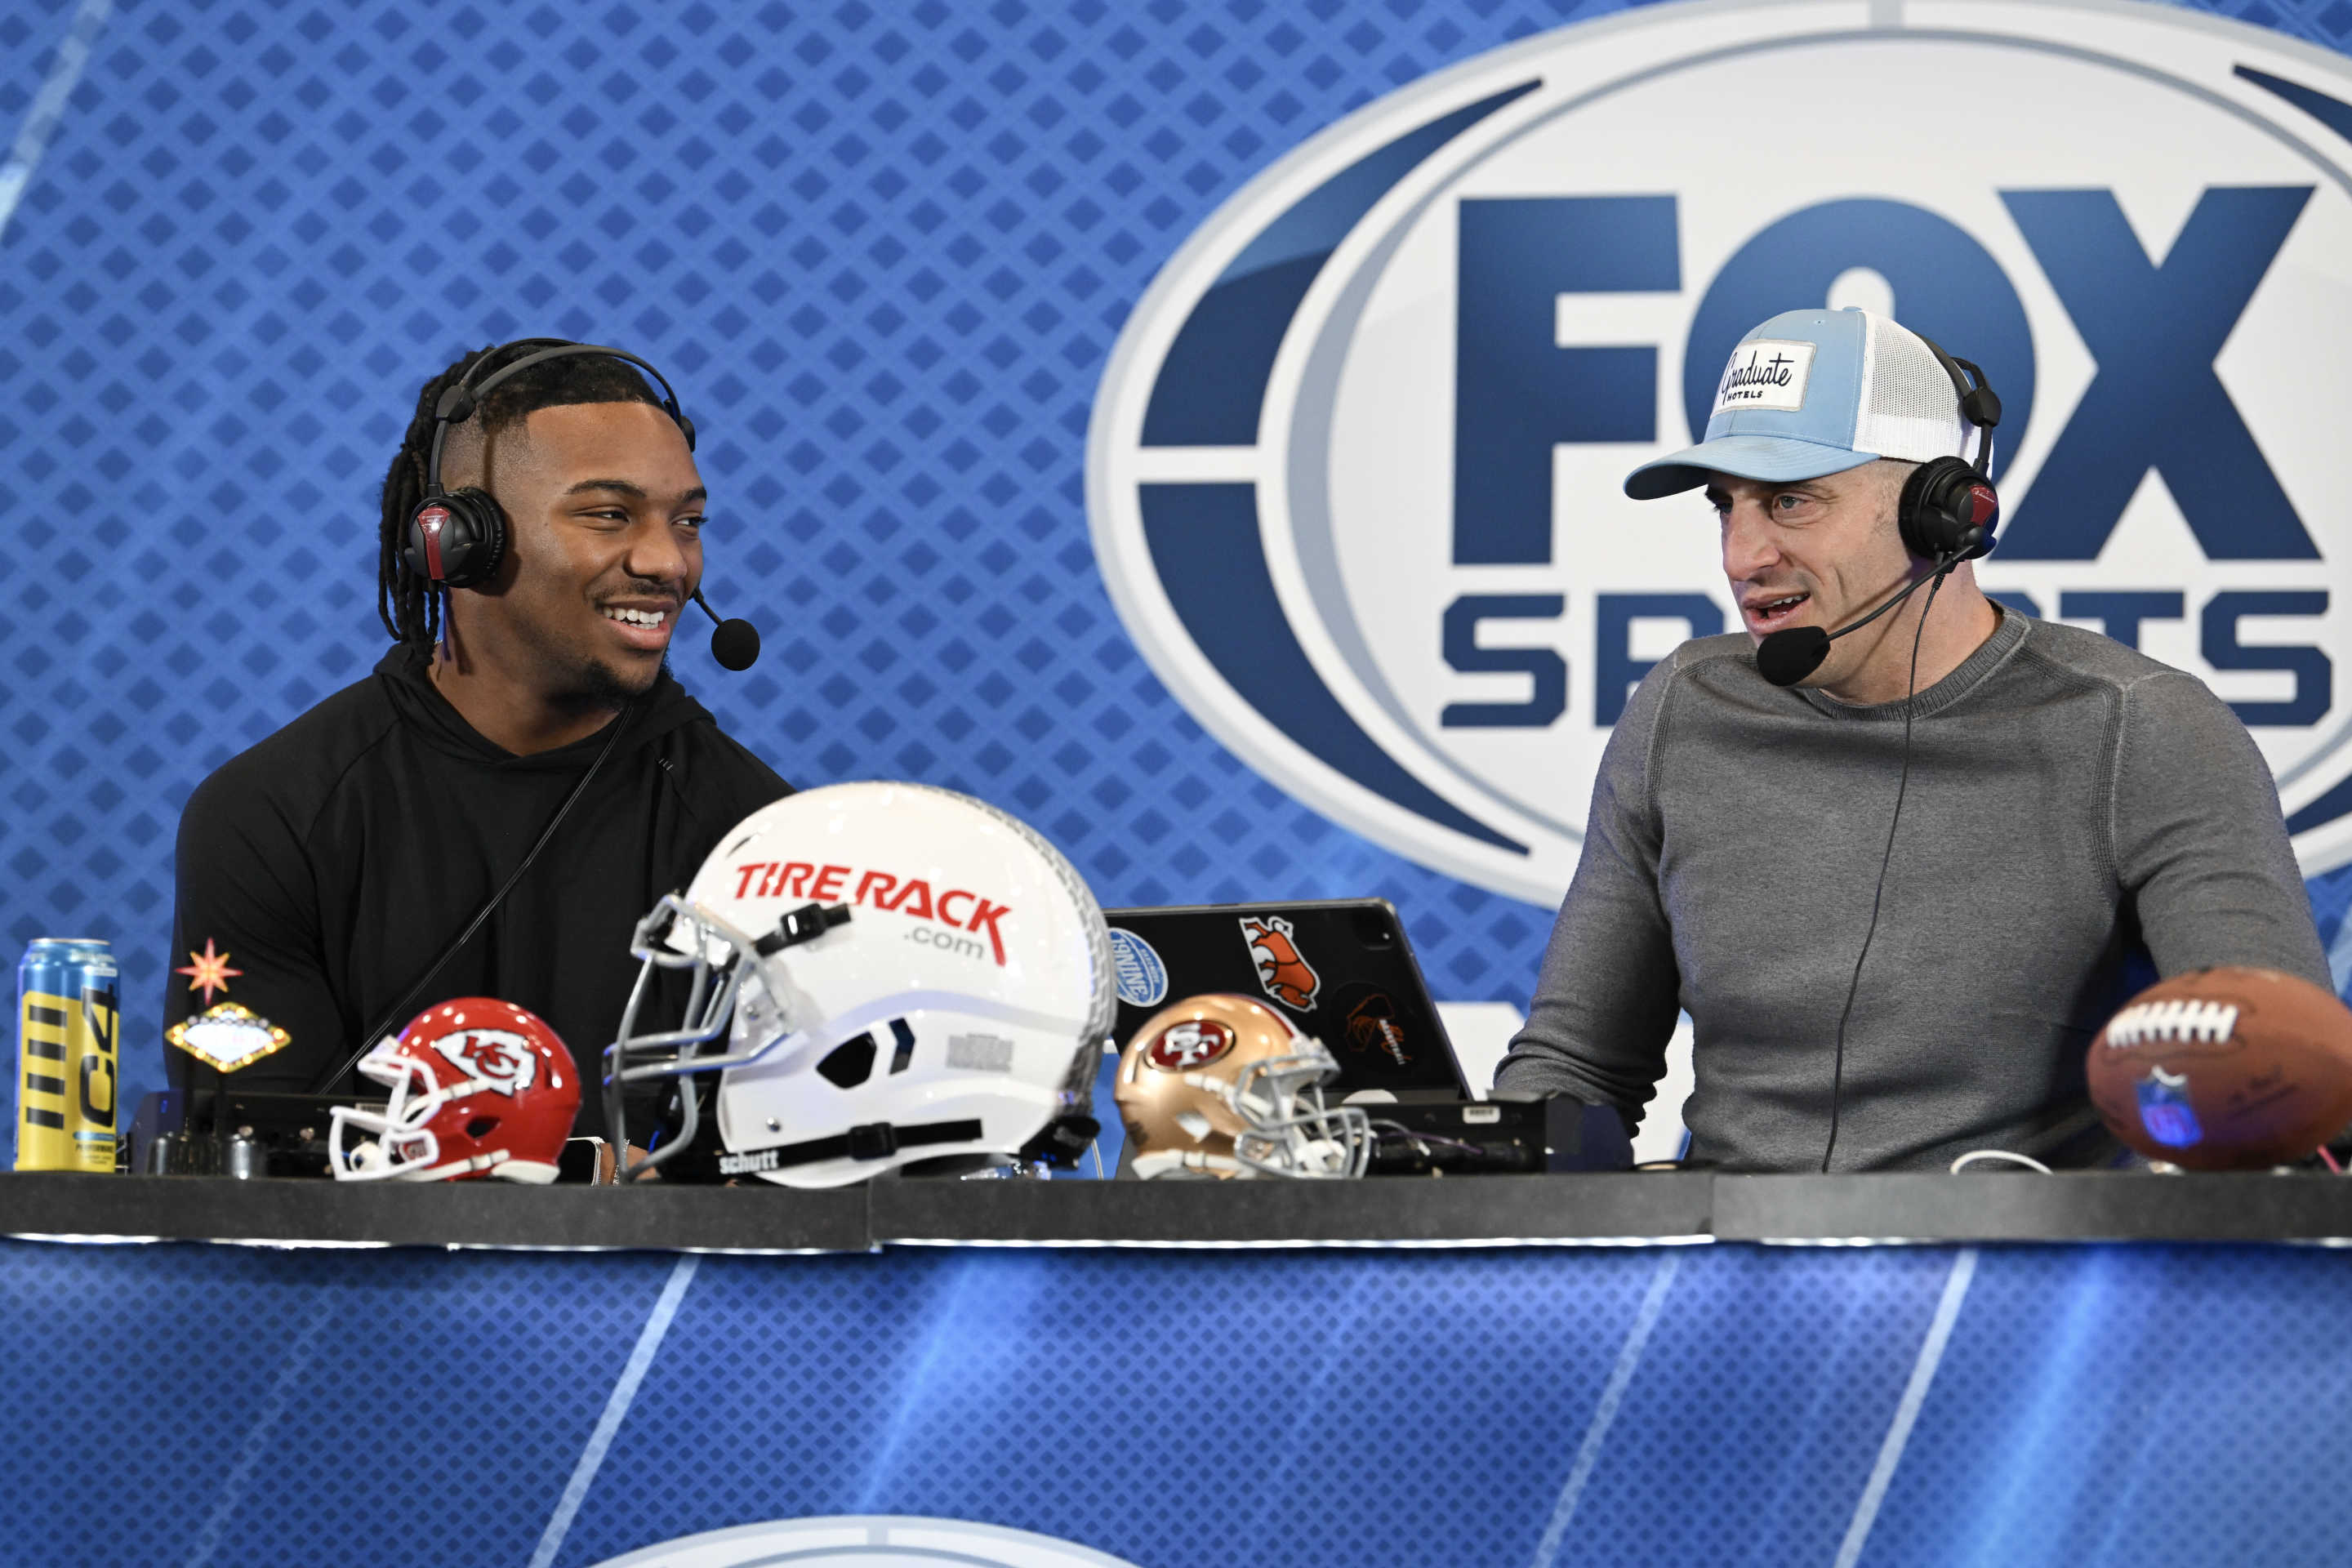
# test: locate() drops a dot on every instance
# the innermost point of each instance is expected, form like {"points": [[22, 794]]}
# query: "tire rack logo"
{"points": [[1353, 471], [798, 880], [501, 1058]]}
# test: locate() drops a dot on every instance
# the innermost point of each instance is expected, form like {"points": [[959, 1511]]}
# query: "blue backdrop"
{"points": [[884, 252], [1723, 1404]]}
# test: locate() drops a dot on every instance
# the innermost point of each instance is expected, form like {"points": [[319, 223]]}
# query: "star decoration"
{"points": [[208, 971]]}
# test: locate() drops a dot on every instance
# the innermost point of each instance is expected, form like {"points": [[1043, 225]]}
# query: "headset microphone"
{"points": [[1786, 657], [735, 644]]}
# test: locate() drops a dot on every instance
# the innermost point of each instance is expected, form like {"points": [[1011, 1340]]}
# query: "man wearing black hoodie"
{"points": [[323, 873]]}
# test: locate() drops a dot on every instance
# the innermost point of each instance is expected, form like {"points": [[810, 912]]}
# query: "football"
{"points": [[2225, 1070]]}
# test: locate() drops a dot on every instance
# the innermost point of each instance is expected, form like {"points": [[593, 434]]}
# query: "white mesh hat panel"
{"points": [[1909, 409], [1846, 386]]}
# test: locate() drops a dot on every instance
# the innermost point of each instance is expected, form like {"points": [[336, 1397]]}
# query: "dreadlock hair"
{"points": [[411, 606]]}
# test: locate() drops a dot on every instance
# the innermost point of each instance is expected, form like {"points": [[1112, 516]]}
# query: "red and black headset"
{"points": [[457, 538], [1948, 509]]}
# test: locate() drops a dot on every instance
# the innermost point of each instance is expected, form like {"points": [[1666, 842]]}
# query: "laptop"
{"points": [[1341, 969]]}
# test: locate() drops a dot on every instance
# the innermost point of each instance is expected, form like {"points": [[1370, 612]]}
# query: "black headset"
{"points": [[455, 539], [1948, 508]]}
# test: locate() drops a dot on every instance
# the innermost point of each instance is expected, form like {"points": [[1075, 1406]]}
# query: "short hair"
{"points": [[410, 606], [1891, 475]]}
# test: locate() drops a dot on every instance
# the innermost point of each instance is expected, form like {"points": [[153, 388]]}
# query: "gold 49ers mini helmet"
{"points": [[1225, 1085]]}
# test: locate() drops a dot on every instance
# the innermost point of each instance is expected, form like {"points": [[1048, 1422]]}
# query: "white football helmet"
{"points": [[901, 972]]}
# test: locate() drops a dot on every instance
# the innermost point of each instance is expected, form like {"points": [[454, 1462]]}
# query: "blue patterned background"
{"points": [[1274, 1410], [882, 250]]}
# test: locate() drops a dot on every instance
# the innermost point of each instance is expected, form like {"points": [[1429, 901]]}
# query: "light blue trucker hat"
{"points": [[1811, 392]]}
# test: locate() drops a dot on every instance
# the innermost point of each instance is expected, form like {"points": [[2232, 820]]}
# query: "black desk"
{"points": [[1483, 1211]]}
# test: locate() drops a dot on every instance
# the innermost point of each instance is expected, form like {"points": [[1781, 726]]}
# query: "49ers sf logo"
{"points": [[501, 1058], [1193, 1043], [1285, 973]]}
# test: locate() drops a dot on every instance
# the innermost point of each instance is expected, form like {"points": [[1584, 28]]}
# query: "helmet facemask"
{"points": [[1287, 1131], [398, 1145], [402, 1145], [676, 935]]}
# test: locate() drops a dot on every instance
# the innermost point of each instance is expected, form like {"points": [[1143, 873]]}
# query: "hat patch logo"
{"points": [[1766, 373]]}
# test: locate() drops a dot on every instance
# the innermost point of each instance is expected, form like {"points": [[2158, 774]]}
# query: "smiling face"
{"points": [[1814, 553], [605, 507]]}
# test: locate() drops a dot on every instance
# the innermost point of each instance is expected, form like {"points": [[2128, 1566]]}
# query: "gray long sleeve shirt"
{"points": [[2069, 799]]}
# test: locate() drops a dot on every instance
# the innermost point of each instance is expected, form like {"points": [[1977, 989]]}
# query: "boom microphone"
{"points": [[736, 644], [1786, 657]]}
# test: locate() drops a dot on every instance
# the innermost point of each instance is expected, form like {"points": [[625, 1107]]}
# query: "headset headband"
{"points": [[457, 403]]}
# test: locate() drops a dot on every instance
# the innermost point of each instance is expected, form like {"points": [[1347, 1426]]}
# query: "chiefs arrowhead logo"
{"points": [[1285, 973], [501, 1058]]}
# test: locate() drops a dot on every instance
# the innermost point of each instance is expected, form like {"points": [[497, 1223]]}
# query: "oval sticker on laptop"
{"points": [[1142, 978]]}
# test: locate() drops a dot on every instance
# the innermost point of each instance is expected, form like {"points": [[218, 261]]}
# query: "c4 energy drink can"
{"points": [[66, 1056]]}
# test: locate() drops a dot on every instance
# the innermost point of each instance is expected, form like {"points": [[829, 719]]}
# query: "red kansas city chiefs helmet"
{"points": [[479, 1087]]}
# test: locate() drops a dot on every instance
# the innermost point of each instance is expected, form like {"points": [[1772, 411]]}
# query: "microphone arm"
{"points": [[735, 644], [1916, 584], [1788, 657]]}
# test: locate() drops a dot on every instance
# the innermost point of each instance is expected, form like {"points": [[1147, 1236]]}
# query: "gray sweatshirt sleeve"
{"points": [[1606, 999], [2199, 842]]}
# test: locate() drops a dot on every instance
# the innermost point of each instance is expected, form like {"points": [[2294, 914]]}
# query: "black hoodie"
{"points": [[329, 865]]}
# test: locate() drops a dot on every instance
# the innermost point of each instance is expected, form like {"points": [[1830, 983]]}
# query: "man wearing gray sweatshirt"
{"points": [[1897, 898]]}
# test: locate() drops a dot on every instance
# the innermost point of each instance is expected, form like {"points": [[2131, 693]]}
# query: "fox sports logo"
{"points": [[1353, 471]]}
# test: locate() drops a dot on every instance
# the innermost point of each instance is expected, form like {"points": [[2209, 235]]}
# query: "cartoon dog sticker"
{"points": [[1285, 973]]}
